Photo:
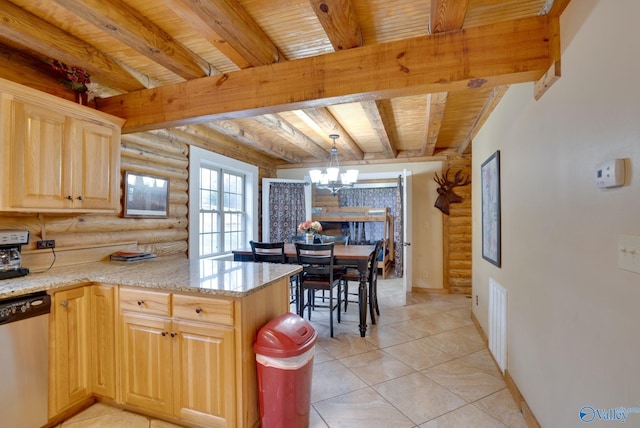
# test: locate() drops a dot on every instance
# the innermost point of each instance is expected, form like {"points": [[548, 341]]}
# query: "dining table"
{"points": [[356, 256]]}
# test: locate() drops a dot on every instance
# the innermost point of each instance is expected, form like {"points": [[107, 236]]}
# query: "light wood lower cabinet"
{"points": [[185, 357], [102, 335], [146, 372], [69, 349], [181, 367], [204, 374]]}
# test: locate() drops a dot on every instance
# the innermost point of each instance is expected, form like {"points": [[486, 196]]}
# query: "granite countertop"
{"points": [[206, 276]]}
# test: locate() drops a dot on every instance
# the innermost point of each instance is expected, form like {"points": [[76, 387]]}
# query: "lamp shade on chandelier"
{"points": [[333, 177]]}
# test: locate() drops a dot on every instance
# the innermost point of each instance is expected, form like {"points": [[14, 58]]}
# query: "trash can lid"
{"points": [[286, 336]]}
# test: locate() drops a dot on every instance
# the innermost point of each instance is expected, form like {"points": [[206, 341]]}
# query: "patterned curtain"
{"points": [[376, 197], [286, 202], [398, 231]]}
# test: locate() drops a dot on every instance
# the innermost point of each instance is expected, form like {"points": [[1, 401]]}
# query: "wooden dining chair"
{"points": [[372, 283], [318, 273], [273, 252], [270, 252]]}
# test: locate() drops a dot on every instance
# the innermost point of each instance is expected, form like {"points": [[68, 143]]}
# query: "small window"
{"points": [[223, 212]]}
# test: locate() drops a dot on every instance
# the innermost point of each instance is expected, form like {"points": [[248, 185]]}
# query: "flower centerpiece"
{"points": [[310, 228], [74, 78]]}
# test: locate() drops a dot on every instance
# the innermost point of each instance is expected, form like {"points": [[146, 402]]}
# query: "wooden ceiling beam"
{"points": [[28, 71], [492, 55], [129, 26], [39, 36], [195, 21], [245, 136], [207, 138], [436, 104], [554, 72], [339, 21], [248, 45], [328, 124], [374, 110], [288, 132], [491, 102], [447, 15]]}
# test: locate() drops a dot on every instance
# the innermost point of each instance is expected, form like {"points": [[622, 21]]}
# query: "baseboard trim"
{"points": [[529, 417], [475, 321]]}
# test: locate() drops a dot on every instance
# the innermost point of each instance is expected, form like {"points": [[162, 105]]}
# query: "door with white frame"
{"points": [[406, 233], [406, 240]]}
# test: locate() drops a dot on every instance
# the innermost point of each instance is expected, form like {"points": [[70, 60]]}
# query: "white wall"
{"points": [[426, 242], [573, 316]]}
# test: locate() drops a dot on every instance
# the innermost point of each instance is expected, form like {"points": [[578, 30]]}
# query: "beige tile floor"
{"points": [[423, 365]]}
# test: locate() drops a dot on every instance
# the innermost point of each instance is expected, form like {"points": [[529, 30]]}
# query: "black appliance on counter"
{"points": [[11, 242]]}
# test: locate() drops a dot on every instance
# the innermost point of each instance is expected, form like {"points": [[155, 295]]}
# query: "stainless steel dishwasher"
{"points": [[24, 352]]}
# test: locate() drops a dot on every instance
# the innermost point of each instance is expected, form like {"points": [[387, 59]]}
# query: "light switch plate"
{"points": [[629, 253]]}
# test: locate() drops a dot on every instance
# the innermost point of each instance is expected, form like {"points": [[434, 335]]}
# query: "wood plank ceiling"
{"points": [[271, 79]]}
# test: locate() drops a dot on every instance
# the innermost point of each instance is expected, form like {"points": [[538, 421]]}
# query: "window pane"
{"points": [[222, 227]]}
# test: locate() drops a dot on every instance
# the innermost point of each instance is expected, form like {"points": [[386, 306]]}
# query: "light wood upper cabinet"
{"points": [[57, 156]]}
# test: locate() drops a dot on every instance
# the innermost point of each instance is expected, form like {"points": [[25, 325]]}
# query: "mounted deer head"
{"points": [[445, 192]]}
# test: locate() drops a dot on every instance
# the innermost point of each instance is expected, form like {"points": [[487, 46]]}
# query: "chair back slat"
{"points": [[316, 259], [269, 252]]}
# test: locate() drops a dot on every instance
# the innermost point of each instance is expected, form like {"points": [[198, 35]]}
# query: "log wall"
{"points": [[456, 230]]}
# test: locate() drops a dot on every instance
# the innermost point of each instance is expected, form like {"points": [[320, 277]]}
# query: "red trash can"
{"points": [[284, 355]]}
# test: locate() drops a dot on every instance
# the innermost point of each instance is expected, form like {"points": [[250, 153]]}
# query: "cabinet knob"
{"points": [[80, 197], [140, 302], [70, 198], [164, 333], [174, 334], [198, 310], [64, 304]]}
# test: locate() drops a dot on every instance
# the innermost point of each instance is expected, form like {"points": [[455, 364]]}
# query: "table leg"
{"points": [[362, 302], [300, 298]]}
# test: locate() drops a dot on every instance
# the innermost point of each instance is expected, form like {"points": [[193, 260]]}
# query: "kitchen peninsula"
{"points": [[167, 337]]}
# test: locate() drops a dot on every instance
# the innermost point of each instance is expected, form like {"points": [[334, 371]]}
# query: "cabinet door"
{"points": [[146, 365], [69, 349], [96, 162], [103, 367], [204, 372], [40, 165]]}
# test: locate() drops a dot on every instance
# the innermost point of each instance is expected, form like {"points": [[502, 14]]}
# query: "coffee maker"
{"points": [[11, 242]]}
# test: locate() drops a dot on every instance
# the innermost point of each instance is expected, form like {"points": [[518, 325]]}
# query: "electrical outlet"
{"points": [[46, 243], [476, 300]]}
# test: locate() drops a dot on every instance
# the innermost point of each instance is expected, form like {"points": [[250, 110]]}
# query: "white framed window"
{"points": [[223, 209]]}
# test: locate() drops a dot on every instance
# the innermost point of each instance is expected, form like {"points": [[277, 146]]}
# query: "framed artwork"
{"points": [[145, 196], [490, 175]]}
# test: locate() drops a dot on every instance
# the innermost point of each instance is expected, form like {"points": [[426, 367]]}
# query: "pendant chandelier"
{"points": [[333, 177]]}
